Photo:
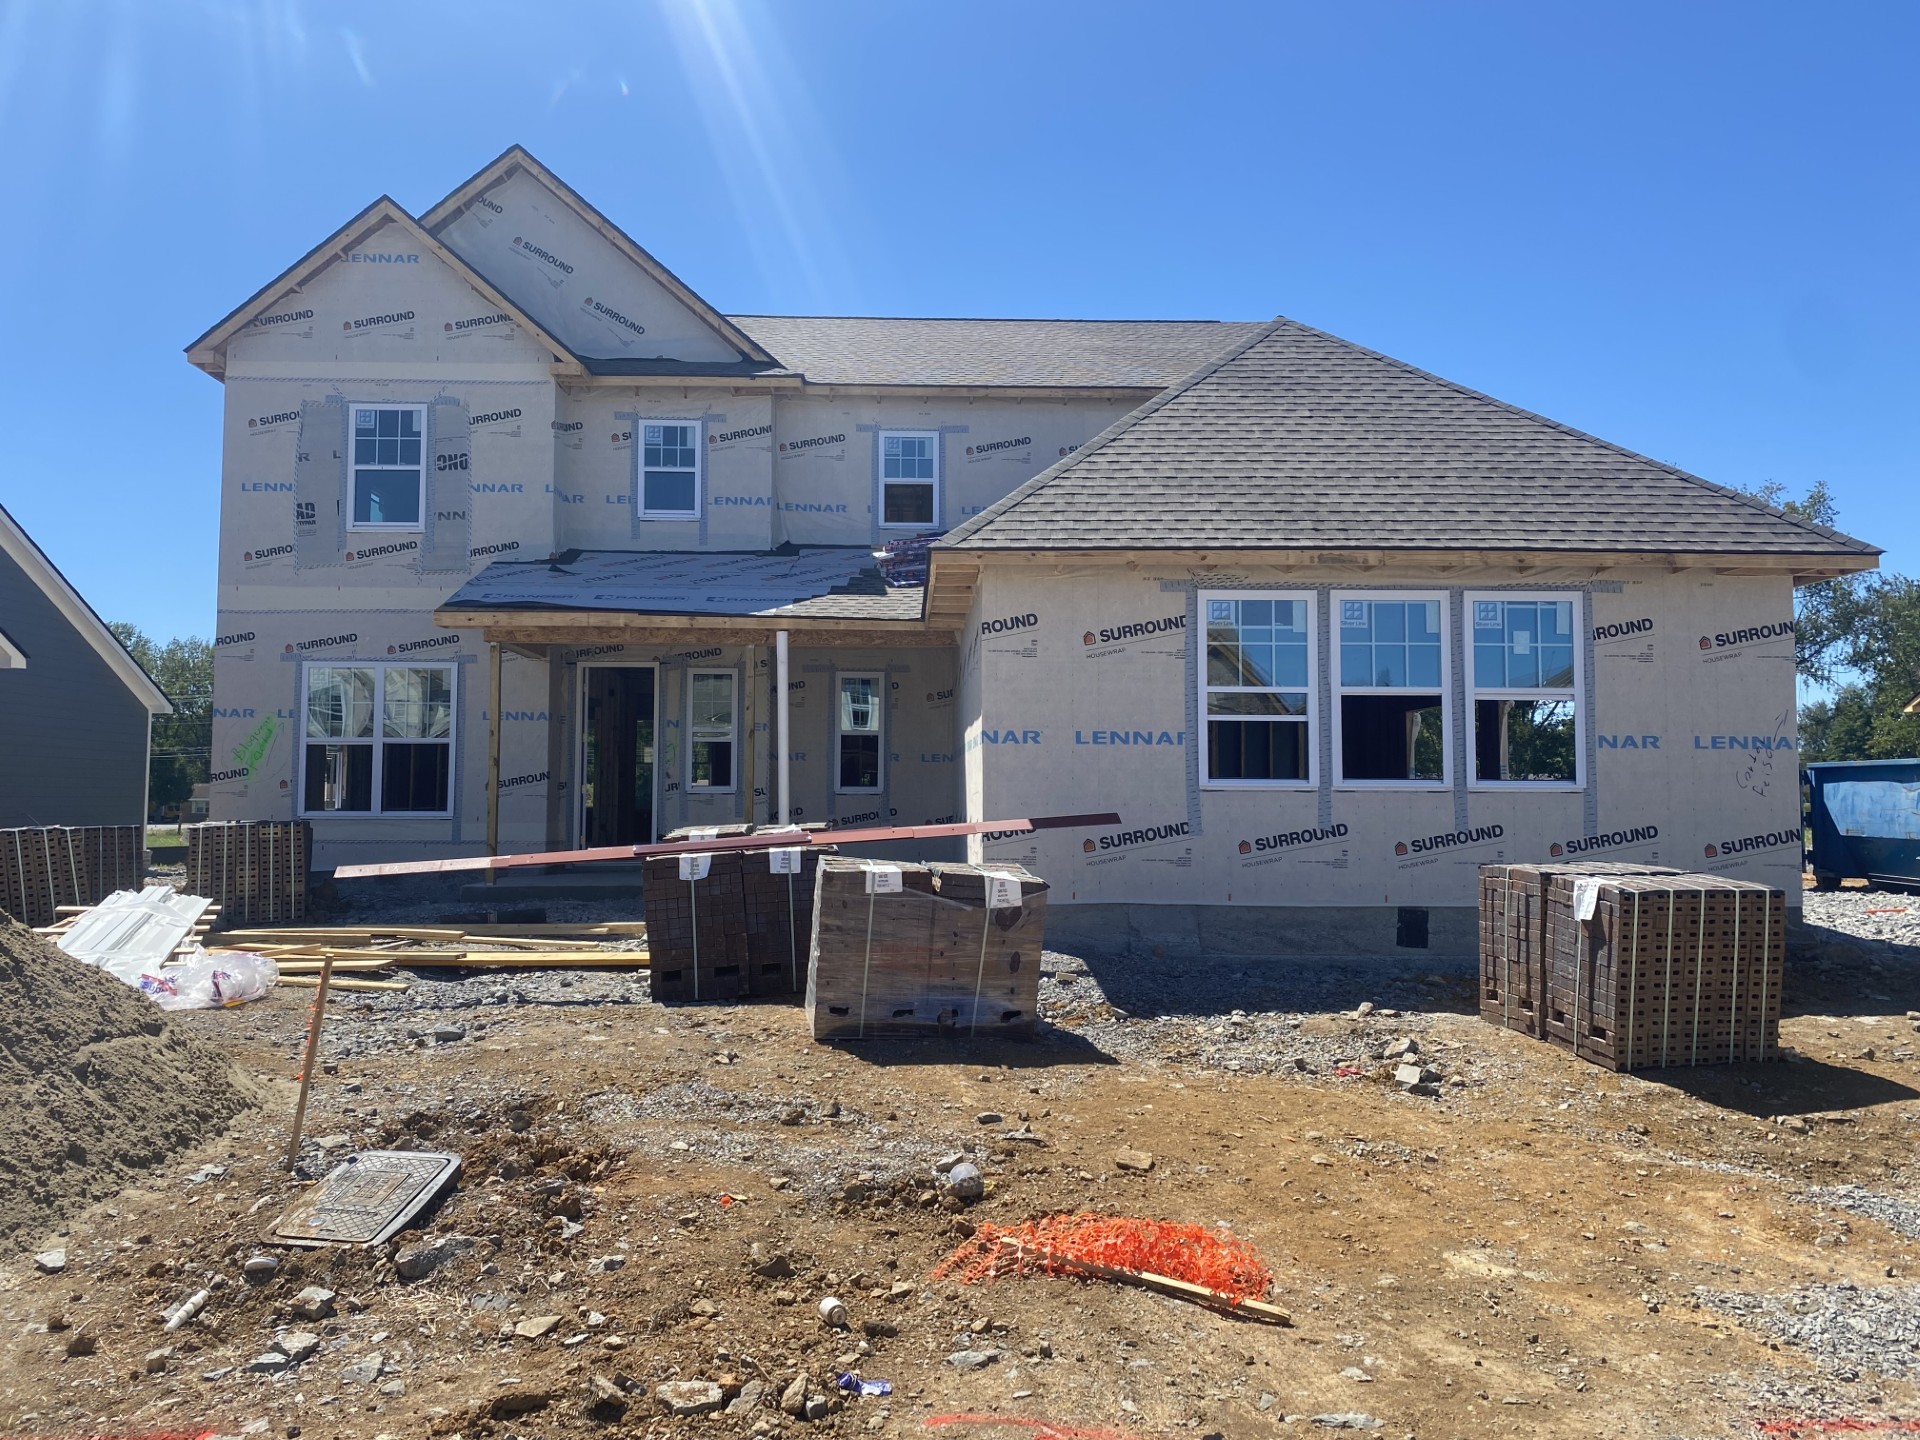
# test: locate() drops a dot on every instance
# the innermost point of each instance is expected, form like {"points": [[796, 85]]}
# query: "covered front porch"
{"points": [[630, 695]]}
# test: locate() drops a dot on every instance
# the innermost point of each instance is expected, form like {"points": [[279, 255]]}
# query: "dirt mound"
{"points": [[94, 1085]]}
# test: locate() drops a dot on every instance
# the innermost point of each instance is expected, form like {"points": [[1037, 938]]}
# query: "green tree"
{"points": [[1818, 609], [1880, 622], [1837, 729], [183, 741]]}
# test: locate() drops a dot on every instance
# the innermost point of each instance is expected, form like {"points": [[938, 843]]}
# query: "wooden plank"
{"points": [[313, 981], [762, 840], [525, 960], [342, 934], [1164, 1284]]}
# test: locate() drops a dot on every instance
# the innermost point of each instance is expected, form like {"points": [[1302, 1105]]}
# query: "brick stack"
{"points": [[1669, 969], [772, 908], [697, 928], [43, 867], [1513, 952], [928, 958], [256, 870], [779, 913]]}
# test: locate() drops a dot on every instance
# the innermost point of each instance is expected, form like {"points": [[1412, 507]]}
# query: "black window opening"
{"points": [[1392, 737]]}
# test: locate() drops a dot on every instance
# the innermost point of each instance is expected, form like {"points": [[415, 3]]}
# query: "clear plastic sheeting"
{"points": [[211, 982], [131, 933]]}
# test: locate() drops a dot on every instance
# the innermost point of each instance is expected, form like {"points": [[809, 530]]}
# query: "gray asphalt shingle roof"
{"points": [[857, 350], [821, 582], [1295, 438]]}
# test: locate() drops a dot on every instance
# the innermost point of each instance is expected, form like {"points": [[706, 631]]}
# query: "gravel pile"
{"points": [[1847, 1329], [1890, 916], [1897, 1213]]}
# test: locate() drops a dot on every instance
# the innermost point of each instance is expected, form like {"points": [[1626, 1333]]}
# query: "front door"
{"points": [[616, 771]]}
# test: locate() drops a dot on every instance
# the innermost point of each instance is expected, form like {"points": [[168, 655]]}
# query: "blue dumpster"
{"points": [[1865, 817]]}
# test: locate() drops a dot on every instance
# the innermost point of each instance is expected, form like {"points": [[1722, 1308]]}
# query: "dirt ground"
{"points": [[1534, 1252]]}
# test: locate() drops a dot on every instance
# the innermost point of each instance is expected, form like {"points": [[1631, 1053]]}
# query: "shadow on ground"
{"points": [[1201, 987], [1050, 1046], [1800, 1086], [1830, 972]]}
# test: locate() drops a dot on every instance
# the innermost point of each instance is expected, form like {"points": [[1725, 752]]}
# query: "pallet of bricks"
{"points": [[731, 923], [1633, 967], [900, 950], [45, 867], [258, 870]]}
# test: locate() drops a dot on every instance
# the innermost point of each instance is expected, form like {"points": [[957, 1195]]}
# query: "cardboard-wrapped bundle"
{"points": [[1513, 931], [924, 949], [1664, 970]]}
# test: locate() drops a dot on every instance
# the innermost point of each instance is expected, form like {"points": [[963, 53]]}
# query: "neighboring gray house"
{"points": [[76, 710]]}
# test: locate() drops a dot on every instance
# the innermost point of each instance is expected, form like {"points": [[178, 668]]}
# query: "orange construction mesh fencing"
{"points": [[1056, 1244]]}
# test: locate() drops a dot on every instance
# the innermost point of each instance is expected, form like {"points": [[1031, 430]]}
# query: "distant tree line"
{"points": [[183, 741], [1859, 635]]}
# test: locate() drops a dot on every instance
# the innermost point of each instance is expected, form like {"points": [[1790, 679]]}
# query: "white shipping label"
{"points": [[1586, 898], [884, 880], [784, 861], [695, 867], [1003, 892], [703, 832]]}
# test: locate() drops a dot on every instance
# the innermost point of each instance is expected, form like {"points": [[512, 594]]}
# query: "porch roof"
{"points": [[590, 592]]}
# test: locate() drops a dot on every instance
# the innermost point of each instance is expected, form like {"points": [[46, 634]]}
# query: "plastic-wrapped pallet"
{"points": [[901, 949], [777, 890]]}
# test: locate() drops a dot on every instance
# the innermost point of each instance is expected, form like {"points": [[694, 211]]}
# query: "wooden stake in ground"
{"points": [[306, 1066]]}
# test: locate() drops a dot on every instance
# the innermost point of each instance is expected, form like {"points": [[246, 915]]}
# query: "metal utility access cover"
{"points": [[367, 1197]]}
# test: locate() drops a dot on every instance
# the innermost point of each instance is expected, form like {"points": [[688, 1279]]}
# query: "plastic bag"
{"points": [[209, 982]]}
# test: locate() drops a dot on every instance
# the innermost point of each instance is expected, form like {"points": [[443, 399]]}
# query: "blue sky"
{"points": [[1688, 229]]}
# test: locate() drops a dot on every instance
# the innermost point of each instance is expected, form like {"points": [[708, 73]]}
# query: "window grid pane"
{"points": [[1390, 644], [1523, 644], [1257, 696]]}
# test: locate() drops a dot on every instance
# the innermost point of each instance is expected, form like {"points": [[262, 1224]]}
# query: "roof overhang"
{"points": [[954, 573], [18, 546], [515, 158], [209, 352], [535, 629]]}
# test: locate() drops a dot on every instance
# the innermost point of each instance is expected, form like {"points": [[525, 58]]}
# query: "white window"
{"points": [[1527, 689], [1256, 689], [858, 734], [909, 479], [377, 740], [1390, 711], [670, 461], [388, 469], [711, 729]]}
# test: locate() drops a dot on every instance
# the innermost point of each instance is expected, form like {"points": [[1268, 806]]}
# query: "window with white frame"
{"points": [[670, 462], [388, 467], [858, 734], [1256, 689], [377, 740], [711, 729], [910, 479], [1390, 722], [1526, 689]]}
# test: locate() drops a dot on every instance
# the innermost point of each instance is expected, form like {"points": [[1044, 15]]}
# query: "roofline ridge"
{"points": [[1003, 319], [1099, 442], [1674, 470]]}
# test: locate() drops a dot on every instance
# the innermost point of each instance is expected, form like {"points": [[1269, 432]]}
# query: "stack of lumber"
{"points": [[45, 867], [740, 929], [899, 950], [1632, 967], [256, 869], [363, 956]]}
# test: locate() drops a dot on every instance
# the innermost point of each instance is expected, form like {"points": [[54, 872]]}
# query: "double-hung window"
{"points": [[859, 733], [377, 740], [388, 467], [711, 729], [910, 479], [1526, 689], [1257, 689], [670, 462], [1391, 724]]}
